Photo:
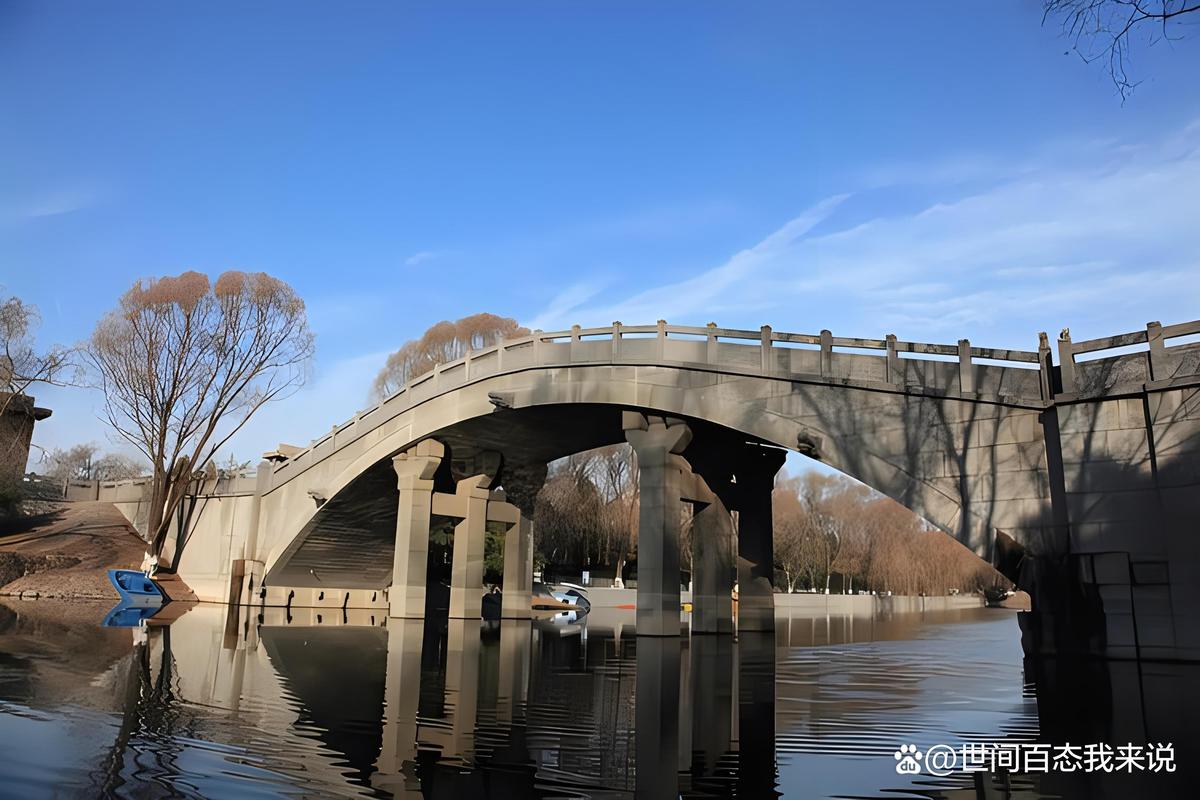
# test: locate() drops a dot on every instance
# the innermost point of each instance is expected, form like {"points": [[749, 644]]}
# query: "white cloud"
{"points": [[1103, 239]]}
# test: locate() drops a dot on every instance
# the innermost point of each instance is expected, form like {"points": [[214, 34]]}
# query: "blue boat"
{"points": [[135, 588]]}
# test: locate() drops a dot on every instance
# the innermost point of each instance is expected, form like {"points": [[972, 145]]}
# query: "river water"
{"points": [[349, 704]]}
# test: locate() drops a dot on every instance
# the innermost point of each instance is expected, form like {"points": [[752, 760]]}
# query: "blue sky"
{"points": [[936, 170]]}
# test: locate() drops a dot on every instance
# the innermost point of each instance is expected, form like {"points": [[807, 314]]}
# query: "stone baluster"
{"points": [[966, 373], [1158, 351]]}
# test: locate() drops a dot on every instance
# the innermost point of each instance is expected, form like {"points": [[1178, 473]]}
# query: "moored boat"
{"points": [[136, 588]]}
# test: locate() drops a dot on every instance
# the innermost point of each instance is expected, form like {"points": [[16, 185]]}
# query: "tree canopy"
{"points": [[441, 343], [183, 363]]}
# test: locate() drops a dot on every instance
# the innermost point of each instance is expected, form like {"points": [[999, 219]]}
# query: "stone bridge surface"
{"points": [[1080, 480]]}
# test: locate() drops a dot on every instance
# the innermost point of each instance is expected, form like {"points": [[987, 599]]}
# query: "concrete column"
{"points": [[401, 692], [522, 482], [658, 442], [712, 569], [466, 567], [754, 472], [414, 477]]}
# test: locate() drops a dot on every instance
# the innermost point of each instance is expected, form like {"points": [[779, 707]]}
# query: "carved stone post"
{"points": [[658, 442], [414, 477], [755, 470], [521, 484]]}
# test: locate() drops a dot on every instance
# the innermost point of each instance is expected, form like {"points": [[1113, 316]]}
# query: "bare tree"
{"points": [[22, 366], [184, 363], [1105, 31], [443, 342], [83, 462]]}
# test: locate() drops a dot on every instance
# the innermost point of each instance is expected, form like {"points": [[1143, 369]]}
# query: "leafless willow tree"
{"points": [[1106, 31], [442, 343], [184, 363]]}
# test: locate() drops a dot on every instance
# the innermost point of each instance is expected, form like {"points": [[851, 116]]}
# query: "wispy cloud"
{"points": [[1099, 237], [422, 257], [710, 291]]}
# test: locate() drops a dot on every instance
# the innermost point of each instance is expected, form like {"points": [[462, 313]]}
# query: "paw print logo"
{"points": [[907, 758]]}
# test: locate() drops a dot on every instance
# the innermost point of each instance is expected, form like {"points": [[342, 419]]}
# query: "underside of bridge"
{"points": [[351, 540]]}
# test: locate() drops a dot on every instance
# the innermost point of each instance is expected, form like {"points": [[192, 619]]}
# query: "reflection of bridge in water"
{"points": [[456, 708], [1080, 479]]}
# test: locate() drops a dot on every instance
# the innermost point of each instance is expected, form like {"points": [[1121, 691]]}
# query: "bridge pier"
{"points": [[712, 568], [521, 485], [466, 565], [414, 477], [658, 441], [755, 469]]}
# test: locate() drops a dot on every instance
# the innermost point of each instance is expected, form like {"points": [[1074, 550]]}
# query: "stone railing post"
{"points": [[894, 373], [1158, 351], [537, 346], [660, 342], [765, 350], [616, 340], [1045, 366], [414, 477], [658, 443], [826, 354], [966, 375], [1066, 362], [710, 352]]}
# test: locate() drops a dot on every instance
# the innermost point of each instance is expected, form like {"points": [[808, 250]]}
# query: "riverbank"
{"points": [[67, 552]]}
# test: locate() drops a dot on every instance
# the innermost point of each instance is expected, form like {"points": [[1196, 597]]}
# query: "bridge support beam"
{"points": [[754, 471], [658, 442], [712, 568], [414, 477]]}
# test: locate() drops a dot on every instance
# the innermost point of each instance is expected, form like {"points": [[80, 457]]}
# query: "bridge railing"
{"points": [[822, 356], [1156, 362]]}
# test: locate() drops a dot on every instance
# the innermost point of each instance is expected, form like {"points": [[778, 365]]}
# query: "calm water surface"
{"points": [[213, 705]]}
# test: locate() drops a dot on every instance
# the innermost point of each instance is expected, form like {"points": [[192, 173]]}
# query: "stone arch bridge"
{"points": [[1078, 479]]}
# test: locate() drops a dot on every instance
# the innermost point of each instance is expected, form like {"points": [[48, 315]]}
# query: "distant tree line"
{"points": [[831, 532]]}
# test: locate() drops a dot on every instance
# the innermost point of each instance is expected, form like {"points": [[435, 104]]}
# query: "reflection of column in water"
{"points": [[402, 690], [711, 705], [516, 642], [756, 714], [462, 691], [657, 714]]}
